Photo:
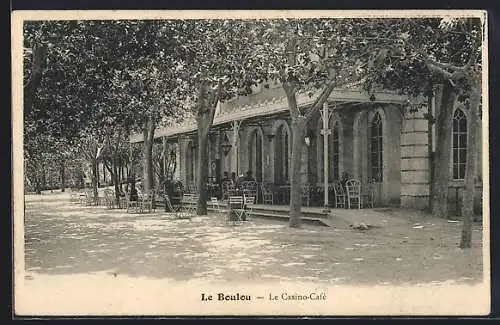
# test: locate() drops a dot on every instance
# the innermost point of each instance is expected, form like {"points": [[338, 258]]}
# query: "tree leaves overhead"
{"points": [[408, 64], [99, 74]]}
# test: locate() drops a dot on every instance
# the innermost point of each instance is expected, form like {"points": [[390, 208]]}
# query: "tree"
{"points": [[217, 65], [439, 51], [314, 56]]}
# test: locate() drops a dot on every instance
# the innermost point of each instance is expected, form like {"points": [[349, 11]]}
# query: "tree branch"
{"points": [[292, 100], [321, 99], [442, 65], [201, 92], [439, 70]]}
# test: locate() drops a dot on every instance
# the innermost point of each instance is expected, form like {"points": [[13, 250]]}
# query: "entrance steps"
{"points": [[310, 215]]}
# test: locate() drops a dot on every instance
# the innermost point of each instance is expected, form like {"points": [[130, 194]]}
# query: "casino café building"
{"points": [[375, 138]]}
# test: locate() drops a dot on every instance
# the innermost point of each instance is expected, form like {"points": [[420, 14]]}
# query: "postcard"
{"points": [[259, 162]]}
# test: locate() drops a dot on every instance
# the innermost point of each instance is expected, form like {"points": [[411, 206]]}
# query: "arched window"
{"points": [[334, 153], [281, 150], [191, 162], [376, 166], [459, 144], [255, 155]]}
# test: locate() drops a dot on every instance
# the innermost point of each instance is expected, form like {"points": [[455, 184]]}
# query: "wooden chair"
{"points": [[109, 198], [131, 205], [250, 188], [228, 189], [74, 197], [214, 202], [368, 195], [89, 198], [176, 210], [82, 197], [249, 203], [189, 203], [146, 202], [236, 212], [267, 195], [340, 196], [353, 188], [305, 194]]}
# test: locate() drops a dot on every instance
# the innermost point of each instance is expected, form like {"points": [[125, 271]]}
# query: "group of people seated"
{"points": [[237, 181]]}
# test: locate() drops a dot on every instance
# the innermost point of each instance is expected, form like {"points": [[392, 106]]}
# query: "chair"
{"points": [[236, 209], [176, 210], [131, 205], [189, 203], [368, 196], [228, 189], [89, 198], [305, 194], [214, 202], [250, 188], [249, 203], [146, 202], [353, 187], [267, 195], [82, 197], [340, 196], [109, 198], [73, 197]]}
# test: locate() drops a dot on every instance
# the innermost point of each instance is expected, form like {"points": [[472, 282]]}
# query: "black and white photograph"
{"points": [[258, 162]]}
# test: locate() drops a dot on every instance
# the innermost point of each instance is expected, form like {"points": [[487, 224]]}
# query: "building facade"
{"points": [[375, 138]]}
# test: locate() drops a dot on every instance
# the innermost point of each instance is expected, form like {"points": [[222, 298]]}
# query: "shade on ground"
{"points": [[63, 239]]}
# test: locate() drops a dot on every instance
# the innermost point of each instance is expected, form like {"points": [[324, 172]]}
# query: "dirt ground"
{"points": [[63, 238]]}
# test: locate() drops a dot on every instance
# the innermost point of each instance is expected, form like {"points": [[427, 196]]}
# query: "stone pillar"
{"points": [[235, 150], [182, 163], [242, 153], [178, 169], [304, 165], [267, 148], [415, 161]]}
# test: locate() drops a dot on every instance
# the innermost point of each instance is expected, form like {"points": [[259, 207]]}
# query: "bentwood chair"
{"points": [[340, 196], [353, 188], [237, 211], [267, 195]]}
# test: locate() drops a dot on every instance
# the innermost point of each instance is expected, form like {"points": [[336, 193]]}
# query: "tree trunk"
{"points": [[38, 64], [116, 179], [44, 178], [63, 175], [439, 192], [203, 165], [470, 173], [95, 174], [298, 132], [38, 187], [120, 175], [207, 102], [148, 131]]}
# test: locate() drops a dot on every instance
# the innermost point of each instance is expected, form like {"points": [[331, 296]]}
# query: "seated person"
{"points": [[226, 178], [248, 177]]}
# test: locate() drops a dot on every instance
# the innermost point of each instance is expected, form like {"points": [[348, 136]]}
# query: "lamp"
{"points": [[309, 137], [226, 146], [270, 137]]}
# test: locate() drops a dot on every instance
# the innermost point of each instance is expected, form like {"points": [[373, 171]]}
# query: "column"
{"points": [[415, 161], [234, 150], [182, 163]]}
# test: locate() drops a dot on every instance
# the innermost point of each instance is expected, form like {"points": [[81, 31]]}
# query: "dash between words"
{"points": [[246, 297]]}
